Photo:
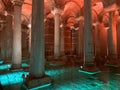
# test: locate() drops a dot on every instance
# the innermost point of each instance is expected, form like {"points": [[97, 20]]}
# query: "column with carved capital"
{"points": [[57, 34], [17, 54]]}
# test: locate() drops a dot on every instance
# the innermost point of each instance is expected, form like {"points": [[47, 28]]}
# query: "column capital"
{"points": [[56, 11], [17, 2]]}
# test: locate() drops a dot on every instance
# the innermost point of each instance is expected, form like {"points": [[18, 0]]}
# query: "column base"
{"points": [[33, 82], [89, 69], [16, 66]]}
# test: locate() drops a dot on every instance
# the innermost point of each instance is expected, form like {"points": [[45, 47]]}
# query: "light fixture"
{"points": [[29, 25], [5, 13]]}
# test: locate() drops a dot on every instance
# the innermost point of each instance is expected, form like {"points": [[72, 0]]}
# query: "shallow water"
{"points": [[65, 78]]}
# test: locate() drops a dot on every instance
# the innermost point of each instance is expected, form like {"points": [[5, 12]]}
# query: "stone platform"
{"points": [[32, 82]]}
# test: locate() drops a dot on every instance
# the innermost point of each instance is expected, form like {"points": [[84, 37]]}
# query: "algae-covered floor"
{"points": [[64, 78]]}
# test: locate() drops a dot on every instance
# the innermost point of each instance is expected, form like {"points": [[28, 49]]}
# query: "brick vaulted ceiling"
{"points": [[6, 5]]}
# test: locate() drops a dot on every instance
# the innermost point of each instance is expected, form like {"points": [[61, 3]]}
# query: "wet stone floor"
{"points": [[64, 78]]}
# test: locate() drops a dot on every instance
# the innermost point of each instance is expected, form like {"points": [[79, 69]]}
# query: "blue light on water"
{"points": [[12, 78], [64, 88], [1, 62], [38, 87], [5, 66], [67, 86], [8, 66], [91, 73], [25, 65], [54, 72], [46, 85]]}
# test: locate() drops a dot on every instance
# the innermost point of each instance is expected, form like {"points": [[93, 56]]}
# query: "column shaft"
{"points": [[8, 36], [29, 41], [37, 75], [37, 59], [102, 41], [3, 44], [112, 48], [88, 36], [17, 54], [96, 41], [57, 34], [62, 44], [81, 38]]}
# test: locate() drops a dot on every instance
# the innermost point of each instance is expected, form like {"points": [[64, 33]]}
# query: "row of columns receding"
{"points": [[98, 43], [37, 57]]}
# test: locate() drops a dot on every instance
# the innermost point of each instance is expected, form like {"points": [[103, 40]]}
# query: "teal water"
{"points": [[65, 78]]}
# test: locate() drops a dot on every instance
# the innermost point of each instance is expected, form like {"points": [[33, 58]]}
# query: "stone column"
{"points": [[96, 41], [3, 48], [57, 34], [102, 42], [8, 36], [17, 54], [62, 44], [37, 75], [81, 38], [73, 42], [29, 40], [112, 47], [88, 38]]}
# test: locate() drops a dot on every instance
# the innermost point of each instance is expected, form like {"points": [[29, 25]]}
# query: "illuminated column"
{"points": [[57, 34], [29, 40], [102, 41], [29, 33], [62, 49], [96, 41], [16, 60], [89, 64], [8, 36], [37, 75], [112, 48], [81, 38], [118, 37]]}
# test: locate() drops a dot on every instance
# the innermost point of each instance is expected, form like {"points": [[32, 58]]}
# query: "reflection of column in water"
{"points": [[103, 77]]}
